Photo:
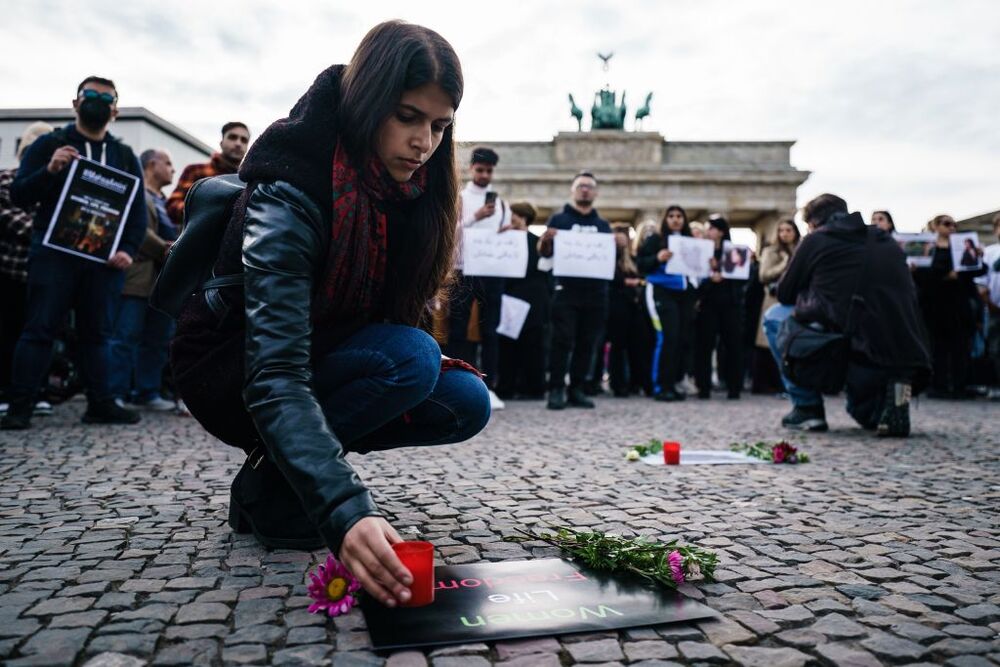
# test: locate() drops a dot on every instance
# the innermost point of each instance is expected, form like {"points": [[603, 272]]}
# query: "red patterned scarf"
{"points": [[355, 266]]}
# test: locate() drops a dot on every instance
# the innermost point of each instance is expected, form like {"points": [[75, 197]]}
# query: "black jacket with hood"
{"points": [[822, 275]]}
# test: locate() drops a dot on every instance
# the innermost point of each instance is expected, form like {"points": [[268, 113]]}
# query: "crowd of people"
{"points": [[645, 332], [300, 299]]}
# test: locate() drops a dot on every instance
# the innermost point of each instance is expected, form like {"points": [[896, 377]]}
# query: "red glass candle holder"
{"points": [[672, 453], [418, 558]]}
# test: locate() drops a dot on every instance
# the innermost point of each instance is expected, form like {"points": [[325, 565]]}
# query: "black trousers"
{"points": [[13, 310], [673, 308], [718, 322], [578, 321], [522, 364], [488, 292], [625, 322]]}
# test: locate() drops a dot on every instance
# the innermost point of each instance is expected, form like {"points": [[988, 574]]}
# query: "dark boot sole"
{"points": [[895, 422], [813, 425], [240, 522]]}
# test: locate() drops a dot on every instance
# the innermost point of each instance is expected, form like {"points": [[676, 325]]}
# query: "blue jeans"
{"points": [[383, 387], [57, 283], [773, 318], [139, 350]]}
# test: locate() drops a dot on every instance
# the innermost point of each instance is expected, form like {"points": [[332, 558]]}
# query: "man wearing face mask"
{"points": [[57, 281], [234, 144]]}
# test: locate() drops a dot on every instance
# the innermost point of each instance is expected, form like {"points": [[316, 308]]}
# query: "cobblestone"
{"points": [[115, 551]]}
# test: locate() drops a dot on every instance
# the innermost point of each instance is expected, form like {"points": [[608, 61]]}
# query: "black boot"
{"points": [[18, 417], [107, 411], [806, 418], [557, 399], [262, 502], [894, 422], [577, 399]]}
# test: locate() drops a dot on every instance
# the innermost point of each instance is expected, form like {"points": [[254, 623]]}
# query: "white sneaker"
{"points": [[495, 402], [182, 410], [43, 409], [4, 407], [993, 395], [158, 404]]}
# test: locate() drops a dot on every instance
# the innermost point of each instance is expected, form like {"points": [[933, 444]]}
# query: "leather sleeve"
{"points": [[282, 246]]}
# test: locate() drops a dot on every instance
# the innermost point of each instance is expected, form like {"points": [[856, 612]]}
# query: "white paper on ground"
{"points": [[702, 457], [513, 313]]}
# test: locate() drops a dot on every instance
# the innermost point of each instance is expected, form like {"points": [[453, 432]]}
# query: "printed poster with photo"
{"points": [[735, 261], [692, 257], [90, 215], [965, 251], [918, 248], [486, 252], [584, 255]]}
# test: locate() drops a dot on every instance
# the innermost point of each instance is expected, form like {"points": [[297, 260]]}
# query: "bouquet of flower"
{"points": [[779, 452], [668, 563]]}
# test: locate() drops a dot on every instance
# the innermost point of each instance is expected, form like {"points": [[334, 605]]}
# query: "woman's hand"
{"points": [[367, 553], [664, 255], [633, 282]]}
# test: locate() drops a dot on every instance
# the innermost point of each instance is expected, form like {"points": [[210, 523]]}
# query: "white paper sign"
{"points": [[513, 314], [918, 248], [735, 261], [692, 256], [495, 254], [964, 253], [701, 457], [584, 255]]}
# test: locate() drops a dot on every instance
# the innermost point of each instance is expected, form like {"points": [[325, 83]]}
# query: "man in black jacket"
{"points": [[58, 281], [889, 352]]}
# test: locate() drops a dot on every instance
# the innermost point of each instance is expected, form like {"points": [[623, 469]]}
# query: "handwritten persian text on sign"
{"points": [[498, 255], [584, 255]]}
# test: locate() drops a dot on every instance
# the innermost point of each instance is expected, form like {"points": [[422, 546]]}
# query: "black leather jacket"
{"points": [[284, 244]]}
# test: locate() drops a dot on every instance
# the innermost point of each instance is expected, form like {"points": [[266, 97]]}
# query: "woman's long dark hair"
{"points": [[665, 230], [392, 58]]}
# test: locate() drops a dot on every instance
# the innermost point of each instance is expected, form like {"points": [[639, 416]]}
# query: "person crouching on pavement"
{"points": [[889, 358], [344, 234]]}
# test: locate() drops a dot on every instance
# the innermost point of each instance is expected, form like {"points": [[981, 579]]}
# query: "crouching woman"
{"points": [[344, 233]]}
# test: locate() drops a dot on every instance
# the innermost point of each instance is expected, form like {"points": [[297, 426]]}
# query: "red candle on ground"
{"points": [[418, 558], [672, 453]]}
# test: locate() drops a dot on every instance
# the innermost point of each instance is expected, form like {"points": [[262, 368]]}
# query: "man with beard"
{"points": [[58, 281], [234, 144], [579, 306]]}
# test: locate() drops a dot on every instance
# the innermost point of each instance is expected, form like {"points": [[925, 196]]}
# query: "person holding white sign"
{"points": [[579, 305], [946, 294], [57, 281], [718, 321], [481, 209]]}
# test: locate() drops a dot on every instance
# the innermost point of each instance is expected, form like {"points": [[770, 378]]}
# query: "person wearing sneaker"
{"points": [[306, 344], [889, 359], [139, 343], [579, 305], [59, 281]]}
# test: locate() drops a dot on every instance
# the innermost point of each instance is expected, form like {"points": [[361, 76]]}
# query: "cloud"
{"points": [[892, 103]]}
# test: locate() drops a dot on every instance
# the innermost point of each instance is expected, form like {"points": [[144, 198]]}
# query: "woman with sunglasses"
{"points": [[948, 299], [343, 236]]}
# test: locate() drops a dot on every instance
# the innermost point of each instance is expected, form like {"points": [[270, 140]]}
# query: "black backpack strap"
{"points": [[235, 280]]}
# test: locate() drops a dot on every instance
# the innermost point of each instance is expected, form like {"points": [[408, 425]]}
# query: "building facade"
{"points": [[752, 183], [138, 127]]}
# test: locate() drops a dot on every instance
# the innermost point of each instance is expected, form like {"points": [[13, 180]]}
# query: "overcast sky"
{"points": [[894, 104]]}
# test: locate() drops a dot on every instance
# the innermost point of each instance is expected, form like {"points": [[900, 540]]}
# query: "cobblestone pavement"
{"points": [[114, 549]]}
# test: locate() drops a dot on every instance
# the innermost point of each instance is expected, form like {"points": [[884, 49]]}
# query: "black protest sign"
{"points": [[90, 216], [496, 601]]}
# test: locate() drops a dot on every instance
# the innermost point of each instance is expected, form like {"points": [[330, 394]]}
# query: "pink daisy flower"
{"points": [[676, 566], [332, 588]]}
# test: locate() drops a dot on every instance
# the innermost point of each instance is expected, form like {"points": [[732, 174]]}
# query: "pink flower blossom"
{"points": [[332, 588], [676, 566], [784, 452]]}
